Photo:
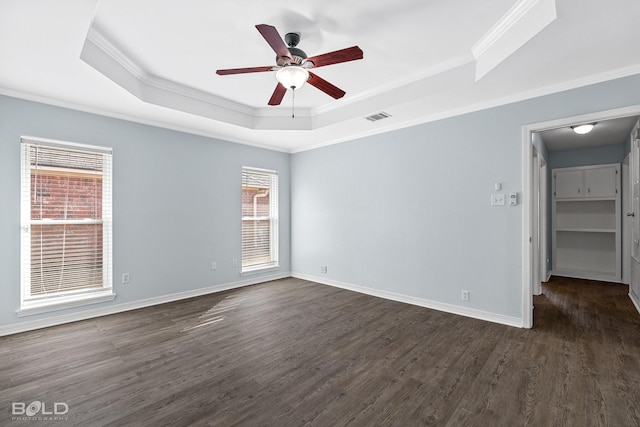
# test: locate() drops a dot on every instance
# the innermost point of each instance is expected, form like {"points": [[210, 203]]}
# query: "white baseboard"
{"points": [[635, 300], [435, 305], [119, 308]]}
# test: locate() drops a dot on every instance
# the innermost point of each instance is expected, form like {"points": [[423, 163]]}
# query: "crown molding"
{"points": [[500, 28], [519, 25]]}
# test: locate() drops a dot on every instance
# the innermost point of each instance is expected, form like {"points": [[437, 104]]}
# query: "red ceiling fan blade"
{"points": [[344, 55], [278, 94], [272, 37], [325, 86], [245, 70]]}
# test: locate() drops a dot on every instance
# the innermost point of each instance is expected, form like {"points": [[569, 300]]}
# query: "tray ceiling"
{"points": [[154, 62]]}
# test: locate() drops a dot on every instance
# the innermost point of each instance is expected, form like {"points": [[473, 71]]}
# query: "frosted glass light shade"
{"points": [[292, 77], [582, 129]]}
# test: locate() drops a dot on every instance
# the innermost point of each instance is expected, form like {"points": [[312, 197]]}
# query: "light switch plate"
{"points": [[497, 199]]}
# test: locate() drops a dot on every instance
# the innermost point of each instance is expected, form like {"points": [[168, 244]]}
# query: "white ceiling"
{"points": [[605, 132], [154, 61]]}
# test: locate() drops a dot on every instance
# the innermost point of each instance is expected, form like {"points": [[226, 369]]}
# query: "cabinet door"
{"points": [[568, 184], [601, 182]]}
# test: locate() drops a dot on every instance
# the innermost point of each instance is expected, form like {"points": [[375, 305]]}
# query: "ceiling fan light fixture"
{"points": [[292, 76], [583, 129]]}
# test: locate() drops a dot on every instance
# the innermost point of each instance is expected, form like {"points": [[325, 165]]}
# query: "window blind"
{"points": [[66, 219], [259, 219]]}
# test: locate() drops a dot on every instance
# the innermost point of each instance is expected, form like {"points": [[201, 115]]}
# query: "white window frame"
{"points": [[273, 218], [30, 305]]}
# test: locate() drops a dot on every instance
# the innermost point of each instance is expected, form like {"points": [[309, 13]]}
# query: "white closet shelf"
{"points": [[586, 230], [586, 222]]}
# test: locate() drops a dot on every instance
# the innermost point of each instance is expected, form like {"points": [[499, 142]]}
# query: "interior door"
{"points": [[635, 213], [635, 203], [627, 196]]}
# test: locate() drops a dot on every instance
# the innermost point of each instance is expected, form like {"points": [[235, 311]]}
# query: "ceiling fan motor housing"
{"points": [[297, 55]]}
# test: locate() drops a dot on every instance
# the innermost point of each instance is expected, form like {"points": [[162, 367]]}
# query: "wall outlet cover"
{"points": [[497, 199]]}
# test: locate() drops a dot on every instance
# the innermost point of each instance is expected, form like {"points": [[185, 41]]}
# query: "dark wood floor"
{"points": [[291, 352]]}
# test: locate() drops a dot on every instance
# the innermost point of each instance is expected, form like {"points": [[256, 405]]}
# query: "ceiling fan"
{"points": [[292, 64]]}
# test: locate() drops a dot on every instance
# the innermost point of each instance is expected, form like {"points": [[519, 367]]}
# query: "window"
{"points": [[259, 219], [66, 225]]}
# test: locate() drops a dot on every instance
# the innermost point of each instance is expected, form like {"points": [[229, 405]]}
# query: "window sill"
{"points": [[60, 303], [258, 270]]}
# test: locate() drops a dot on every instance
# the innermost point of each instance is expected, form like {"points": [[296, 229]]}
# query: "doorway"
{"points": [[535, 222]]}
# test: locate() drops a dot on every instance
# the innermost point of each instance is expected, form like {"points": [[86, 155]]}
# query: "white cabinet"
{"points": [[586, 222], [568, 183], [599, 181]]}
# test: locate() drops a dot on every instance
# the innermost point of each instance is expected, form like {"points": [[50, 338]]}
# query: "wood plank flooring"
{"points": [[294, 353]]}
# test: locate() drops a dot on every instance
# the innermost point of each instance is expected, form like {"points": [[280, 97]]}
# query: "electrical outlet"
{"points": [[465, 295], [234, 263], [126, 278], [323, 269], [214, 265]]}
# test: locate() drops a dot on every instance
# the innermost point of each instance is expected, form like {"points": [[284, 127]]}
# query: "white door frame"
{"points": [[543, 202], [539, 222], [535, 220], [527, 194]]}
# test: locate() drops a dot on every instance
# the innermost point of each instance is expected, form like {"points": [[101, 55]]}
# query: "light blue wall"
{"points": [[601, 155], [408, 212], [176, 202], [405, 212]]}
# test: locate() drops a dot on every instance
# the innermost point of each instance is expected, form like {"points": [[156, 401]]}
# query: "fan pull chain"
{"points": [[293, 103]]}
